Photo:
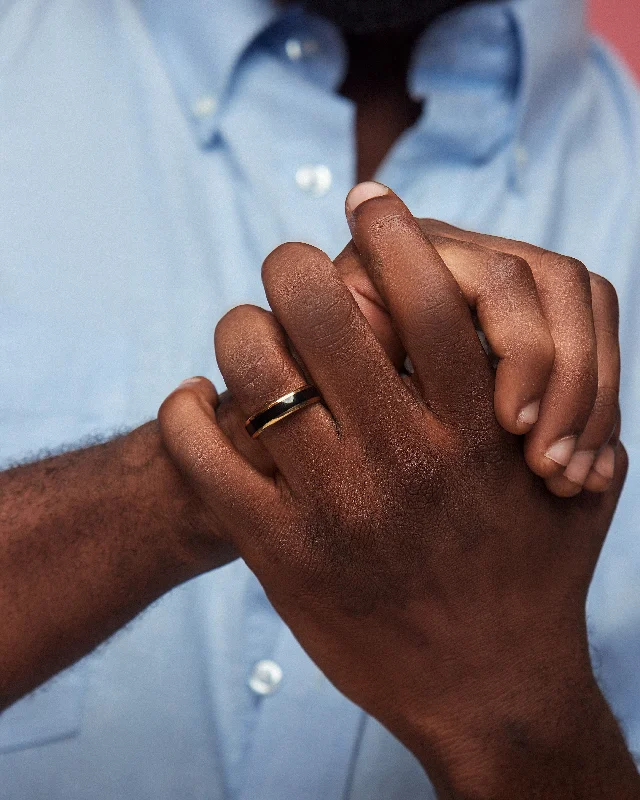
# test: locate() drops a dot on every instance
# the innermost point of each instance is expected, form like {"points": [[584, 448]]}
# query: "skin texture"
{"points": [[530, 304], [121, 525], [549, 353], [411, 550], [88, 539], [398, 519], [401, 533]]}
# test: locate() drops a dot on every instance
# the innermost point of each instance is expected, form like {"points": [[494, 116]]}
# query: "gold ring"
{"points": [[282, 407]]}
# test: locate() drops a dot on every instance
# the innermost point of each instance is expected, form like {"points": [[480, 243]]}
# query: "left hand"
{"points": [[404, 540]]}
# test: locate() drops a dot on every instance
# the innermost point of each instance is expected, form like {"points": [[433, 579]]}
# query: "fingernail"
{"points": [[605, 463], [189, 382], [529, 414], [580, 466], [561, 451], [364, 191]]}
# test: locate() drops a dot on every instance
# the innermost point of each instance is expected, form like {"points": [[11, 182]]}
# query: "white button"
{"points": [[296, 49], [205, 106], [265, 678], [293, 49], [315, 180]]}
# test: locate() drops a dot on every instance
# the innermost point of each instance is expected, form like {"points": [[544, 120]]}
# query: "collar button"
{"points": [[204, 107], [315, 179]]}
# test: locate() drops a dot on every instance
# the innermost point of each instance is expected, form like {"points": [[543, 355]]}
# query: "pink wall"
{"points": [[619, 22]]}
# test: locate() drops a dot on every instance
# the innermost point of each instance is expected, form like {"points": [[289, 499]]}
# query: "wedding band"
{"points": [[281, 408]]}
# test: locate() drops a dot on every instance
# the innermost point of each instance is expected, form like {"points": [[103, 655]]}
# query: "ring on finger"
{"points": [[281, 408]]}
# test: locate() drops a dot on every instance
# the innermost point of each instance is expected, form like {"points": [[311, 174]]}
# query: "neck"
{"points": [[376, 82]]}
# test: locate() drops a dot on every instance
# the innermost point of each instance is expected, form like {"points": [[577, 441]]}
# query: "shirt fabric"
{"points": [[152, 153]]}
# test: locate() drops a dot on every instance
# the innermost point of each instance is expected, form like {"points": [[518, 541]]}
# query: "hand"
{"points": [[403, 539], [553, 327]]}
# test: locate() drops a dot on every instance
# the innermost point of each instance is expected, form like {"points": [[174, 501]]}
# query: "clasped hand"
{"points": [[409, 529]]}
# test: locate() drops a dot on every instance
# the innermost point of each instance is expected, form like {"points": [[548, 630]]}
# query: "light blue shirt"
{"points": [[151, 154]]}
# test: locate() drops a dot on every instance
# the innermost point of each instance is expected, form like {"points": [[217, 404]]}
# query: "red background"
{"points": [[619, 22]]}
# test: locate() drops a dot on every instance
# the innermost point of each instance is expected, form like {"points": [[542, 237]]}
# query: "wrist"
{"points": [[186, 533], [558, 741]]}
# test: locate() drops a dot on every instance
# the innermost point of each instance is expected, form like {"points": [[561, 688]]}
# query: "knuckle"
{"points": [[235, 323], [572, 269], [244, 338], [381, 224], [510, 269], [579, 392], [577, 355], [174, 405], [176, 417], [436, 317], [270, 367], [579, 375], [284, 263]]}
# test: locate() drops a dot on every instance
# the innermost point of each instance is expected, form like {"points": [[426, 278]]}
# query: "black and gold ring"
{"points": [[281, 408]]}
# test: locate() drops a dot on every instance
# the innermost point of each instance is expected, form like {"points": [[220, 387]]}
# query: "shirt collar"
{"points": [[495, 72], [201, 42], [466, 67], [489, 70], [554, 44]]}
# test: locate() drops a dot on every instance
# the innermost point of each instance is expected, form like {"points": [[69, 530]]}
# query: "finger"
{"points": [[258, 368], [600, 477], [350, 268], [604, 503], [563, 286], [501, 289], [604, 414], [231, 420], [233, 490], [429, 312], [340, 351]]}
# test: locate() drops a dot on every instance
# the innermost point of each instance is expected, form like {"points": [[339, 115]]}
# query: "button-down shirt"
{"points": [[151, 154]]}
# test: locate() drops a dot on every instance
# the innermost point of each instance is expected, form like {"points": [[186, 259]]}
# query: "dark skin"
{"points": [[399, 523], [88, 539], [126, 521], [377, 83]]}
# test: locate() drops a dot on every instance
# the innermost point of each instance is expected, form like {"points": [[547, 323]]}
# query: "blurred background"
{"points": [[618, 21]]}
